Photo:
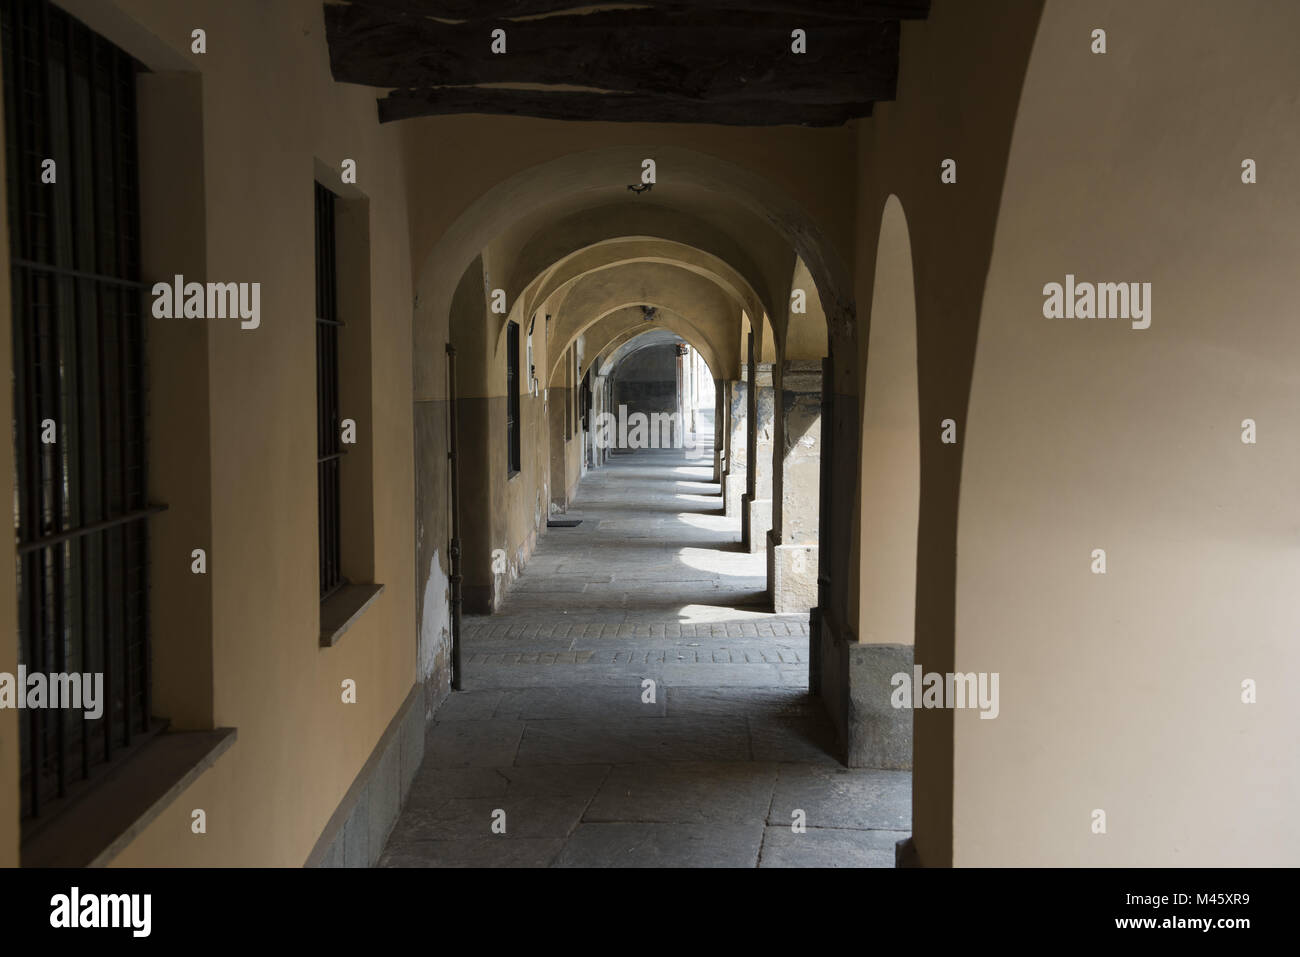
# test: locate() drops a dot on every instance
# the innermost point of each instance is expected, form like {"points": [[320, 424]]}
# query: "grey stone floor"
{"points": [[555, 735]]}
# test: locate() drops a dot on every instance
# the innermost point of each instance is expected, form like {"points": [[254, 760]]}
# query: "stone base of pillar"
{"points": [[733, 494], [856, 687], [717, 465], [791, 576], [880, 735], [756, 524]]}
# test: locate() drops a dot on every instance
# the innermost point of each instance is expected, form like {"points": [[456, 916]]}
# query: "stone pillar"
{"points": [[599, 406], [854, 679], [719, 430], [792, 541], [756, 519], [557, 409], [733, 482], [879, 735]]}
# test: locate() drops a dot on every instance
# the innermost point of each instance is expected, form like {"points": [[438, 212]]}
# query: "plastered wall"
{"points": [[299, 747], [1122, 692]]}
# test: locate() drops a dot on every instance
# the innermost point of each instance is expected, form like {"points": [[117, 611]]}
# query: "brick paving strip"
{"points": [[478, 629], [624, 655]]}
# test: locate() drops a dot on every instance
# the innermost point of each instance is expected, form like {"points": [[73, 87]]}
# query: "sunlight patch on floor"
{"points": [[718, 562], [696, 614]]}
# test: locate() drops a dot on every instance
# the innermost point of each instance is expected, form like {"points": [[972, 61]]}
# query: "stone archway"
{"points": [[506, 239], [888, 508]]}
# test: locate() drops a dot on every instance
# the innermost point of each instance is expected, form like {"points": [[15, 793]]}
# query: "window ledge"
{"points": [[341, 609], [99, 826]]}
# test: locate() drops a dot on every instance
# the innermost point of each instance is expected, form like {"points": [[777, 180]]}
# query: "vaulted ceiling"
{"points": [[730, 62]]}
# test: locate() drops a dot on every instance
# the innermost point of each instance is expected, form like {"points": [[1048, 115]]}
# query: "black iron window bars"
{"points": [[80, 399]]}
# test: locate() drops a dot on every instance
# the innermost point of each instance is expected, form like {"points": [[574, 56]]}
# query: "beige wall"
{"points": [[174, 237], [804, 335], [1121, 691], [525, 495], [298, 746]]}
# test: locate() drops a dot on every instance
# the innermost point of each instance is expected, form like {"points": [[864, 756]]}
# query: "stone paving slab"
{"points": [[772, 703], [469, 705], [860, 798], [662, 845], [828, 847], [788, 740], [523, 816], [685, 793], [486, 743], [632, 740], [493, 851], [582, 780], [433, 787], [592, 703]]}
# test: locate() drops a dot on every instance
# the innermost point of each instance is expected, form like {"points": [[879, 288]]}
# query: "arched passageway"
{"points": [[915, 456], [721, 246], [627, 601], [637, 698]]}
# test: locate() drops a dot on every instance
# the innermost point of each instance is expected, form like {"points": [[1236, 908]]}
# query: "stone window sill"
{"points": [[97, 827], [341, 609]]}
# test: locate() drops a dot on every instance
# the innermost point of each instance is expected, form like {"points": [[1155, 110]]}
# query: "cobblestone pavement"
{"points": [[635, 706]]}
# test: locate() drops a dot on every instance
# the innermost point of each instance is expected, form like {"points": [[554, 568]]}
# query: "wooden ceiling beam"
{"points": [[836, 9], [613, 107], [708, 57]]}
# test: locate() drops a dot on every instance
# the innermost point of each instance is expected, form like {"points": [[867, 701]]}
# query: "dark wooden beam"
{"points": [[613, 107], [838, 9], [712, 57]]}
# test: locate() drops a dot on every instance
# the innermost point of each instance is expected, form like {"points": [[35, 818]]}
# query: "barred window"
{"points": [[513, 456], [329, 446], [79, 391]]}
